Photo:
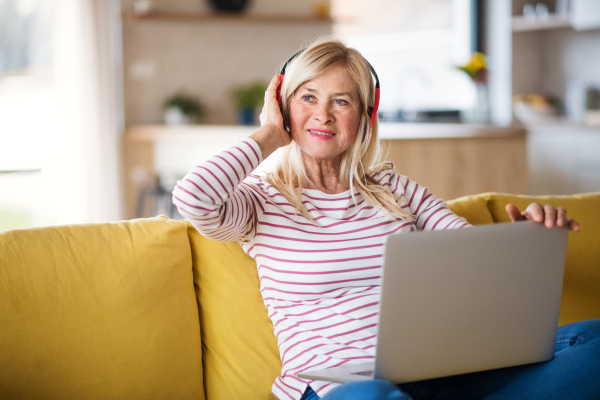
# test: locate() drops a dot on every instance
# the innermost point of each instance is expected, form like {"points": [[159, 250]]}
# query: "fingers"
{"points": [[534, 212], [561, 217], [550, 216], [271, 92], [563, 221], [514, 213], [574, 226]]}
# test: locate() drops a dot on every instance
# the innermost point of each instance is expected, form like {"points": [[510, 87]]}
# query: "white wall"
{"points": [[207, 58]]}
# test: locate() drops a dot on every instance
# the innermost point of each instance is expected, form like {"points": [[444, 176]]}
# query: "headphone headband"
{"points": [[288, 61], [371, 111]]}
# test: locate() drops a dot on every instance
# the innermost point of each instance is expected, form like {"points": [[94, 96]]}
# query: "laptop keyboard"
{"points": [[365, 373]]}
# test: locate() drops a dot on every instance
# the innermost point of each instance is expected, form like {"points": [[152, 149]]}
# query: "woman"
{"points": [[317, 224]]}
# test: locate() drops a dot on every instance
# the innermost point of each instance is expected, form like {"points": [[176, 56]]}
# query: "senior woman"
{"points": [[316, 227]]}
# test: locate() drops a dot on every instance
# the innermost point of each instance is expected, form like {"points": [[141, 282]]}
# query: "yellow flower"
{"points": [[475, 66]]}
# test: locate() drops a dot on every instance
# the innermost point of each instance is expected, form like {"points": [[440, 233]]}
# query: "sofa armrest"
{"points": [[99, 311]]}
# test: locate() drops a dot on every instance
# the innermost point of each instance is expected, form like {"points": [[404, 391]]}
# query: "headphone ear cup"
{"points": [[368, 124], [369, 112], [286, 122], [278, 94]]}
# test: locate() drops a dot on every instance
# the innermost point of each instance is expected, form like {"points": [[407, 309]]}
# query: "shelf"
{"points": [[387, 130], [150, 133], [216, 17], [523, 24]]}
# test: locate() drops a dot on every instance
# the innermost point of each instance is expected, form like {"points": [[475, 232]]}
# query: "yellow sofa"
{"points": [[150, 309]]}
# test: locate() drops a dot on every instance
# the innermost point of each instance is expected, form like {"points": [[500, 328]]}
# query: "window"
{"points": [[25, 81], [27, 99], [414, 46]]}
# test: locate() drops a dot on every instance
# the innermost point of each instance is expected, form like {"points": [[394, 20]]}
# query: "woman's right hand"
{"points": [[272, 133]]}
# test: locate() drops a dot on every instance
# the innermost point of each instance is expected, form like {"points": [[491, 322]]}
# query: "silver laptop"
{"points": [[464, 300]]}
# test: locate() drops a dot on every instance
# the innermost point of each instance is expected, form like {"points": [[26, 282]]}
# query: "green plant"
{"points": [[189, 106], [250, 95]]}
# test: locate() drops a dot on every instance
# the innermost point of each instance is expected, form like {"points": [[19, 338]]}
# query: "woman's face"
{"points": [[324, 114]]}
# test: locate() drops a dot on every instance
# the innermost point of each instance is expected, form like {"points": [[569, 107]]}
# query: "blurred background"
{"points": [[105, 104]]}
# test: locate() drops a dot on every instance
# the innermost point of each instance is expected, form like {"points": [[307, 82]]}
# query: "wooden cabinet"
{"points": [[458, 167]]}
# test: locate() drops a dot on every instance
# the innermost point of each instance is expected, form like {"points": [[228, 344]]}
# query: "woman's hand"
{"points": [[547, 214], [271, 113], [271, 135]]}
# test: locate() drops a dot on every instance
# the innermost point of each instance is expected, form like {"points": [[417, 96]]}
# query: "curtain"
{"points": [[83, 152]]}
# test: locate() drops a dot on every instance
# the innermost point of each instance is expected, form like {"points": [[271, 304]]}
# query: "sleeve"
{"points": [[430, 212], [214, 198]]}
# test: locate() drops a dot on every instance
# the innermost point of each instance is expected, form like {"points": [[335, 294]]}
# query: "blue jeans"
{"points": [[573, 373]]}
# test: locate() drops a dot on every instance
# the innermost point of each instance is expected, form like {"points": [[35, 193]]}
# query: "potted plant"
{"points": [[181, 109], [247, 98]]}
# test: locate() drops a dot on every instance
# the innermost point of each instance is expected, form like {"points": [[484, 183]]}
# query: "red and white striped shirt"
{"points": [[320, 284]]}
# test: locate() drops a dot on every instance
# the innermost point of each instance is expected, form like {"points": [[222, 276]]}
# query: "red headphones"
{"points": [[371, 111]]}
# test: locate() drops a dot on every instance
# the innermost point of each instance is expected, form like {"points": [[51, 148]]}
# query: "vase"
{"points": [[174, 116], [246, 116], [481, 109]]}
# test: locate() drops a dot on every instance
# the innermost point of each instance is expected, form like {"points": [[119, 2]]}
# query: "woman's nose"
{"points": [[324, 113]]}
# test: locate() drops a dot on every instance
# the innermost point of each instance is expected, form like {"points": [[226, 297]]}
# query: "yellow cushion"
{"points": [[581, 288], [239, 349], [473, 208], [99, 311]]}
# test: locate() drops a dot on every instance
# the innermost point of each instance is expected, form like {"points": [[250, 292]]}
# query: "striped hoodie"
{"points": [[320, 284]]}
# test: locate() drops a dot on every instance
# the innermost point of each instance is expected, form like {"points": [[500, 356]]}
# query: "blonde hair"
{"points": [[359, 161]]}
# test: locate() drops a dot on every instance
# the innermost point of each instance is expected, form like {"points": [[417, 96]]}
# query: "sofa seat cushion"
{"points": [[581, 287], [99, 311], [239, 349]]}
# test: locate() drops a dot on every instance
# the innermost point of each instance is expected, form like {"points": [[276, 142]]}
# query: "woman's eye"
{"points": [[306, 98], [340, 102]]}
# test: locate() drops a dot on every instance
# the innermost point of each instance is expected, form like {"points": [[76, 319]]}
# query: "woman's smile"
{"points": [[321, 134]]}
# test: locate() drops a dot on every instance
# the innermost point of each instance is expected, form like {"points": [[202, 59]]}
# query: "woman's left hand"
{"points": [[547, 214]]}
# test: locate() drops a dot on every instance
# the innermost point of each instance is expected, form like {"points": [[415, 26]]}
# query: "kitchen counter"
{"points": [[452, 159], [387, 130], [397, 130]]}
